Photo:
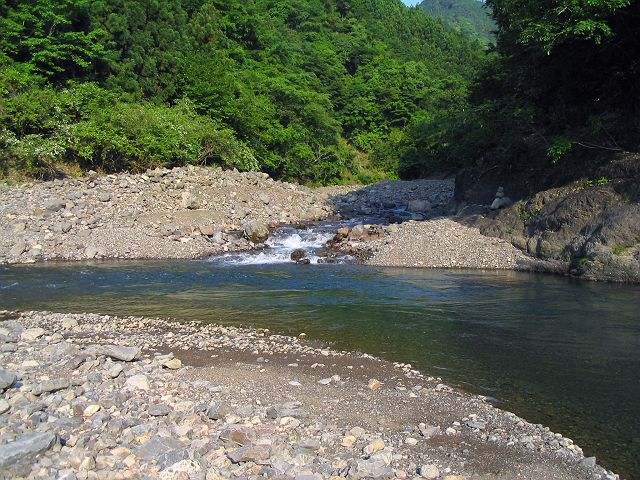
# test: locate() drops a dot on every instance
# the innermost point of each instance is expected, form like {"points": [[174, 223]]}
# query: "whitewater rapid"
{"points": [[282, 243]]}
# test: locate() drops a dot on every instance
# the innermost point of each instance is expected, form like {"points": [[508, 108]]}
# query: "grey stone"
{"points": [[250, 453], [6, 379], [25, 445], [499, 203], [119, 352], [289, 409], [54, 205], [115, 370], [476, 424], [164, 451], [216, 411], [428, 431], [51, 386], [159, 410], [255, 231]]}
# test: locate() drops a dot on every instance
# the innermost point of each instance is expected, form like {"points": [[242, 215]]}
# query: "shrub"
{"points": [[137, 137]]}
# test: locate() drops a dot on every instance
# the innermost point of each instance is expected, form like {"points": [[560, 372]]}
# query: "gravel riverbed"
{"points": [[197, 212], [87, 396]]}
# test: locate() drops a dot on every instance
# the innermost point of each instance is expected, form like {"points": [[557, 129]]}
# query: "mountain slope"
{"points": [[468, 15], [302, 89]]}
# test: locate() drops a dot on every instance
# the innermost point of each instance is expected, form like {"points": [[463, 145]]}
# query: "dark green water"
{"points": [[556, 351]]}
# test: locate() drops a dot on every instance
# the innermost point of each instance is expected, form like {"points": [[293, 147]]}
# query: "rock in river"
{"points": [[298, 254], [255, 231]]}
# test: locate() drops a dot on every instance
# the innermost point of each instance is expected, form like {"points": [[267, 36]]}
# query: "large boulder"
{"points": [[587, 230], [255, 231]]}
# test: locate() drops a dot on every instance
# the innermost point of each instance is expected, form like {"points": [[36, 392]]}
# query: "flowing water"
{"points": [[560, 352], [282, 243]]}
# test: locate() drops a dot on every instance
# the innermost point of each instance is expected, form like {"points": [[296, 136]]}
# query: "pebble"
{"points": [[7, 379], [429, 471], [374, 447], [374, 384], [119, 352], [91, 410], [138, 382], [173, 364]]}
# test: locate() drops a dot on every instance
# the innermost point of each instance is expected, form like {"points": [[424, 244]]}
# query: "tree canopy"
{"points": [[563, 85], [312, 90]]}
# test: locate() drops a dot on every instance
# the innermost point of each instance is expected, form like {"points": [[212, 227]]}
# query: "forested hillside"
{"points": [[560, 96], [470, 16], [318, 91]]}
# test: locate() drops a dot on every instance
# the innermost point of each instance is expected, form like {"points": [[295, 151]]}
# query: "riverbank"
{"points": [[180, 213], [200, 212], [582, 230], [108, 397]]}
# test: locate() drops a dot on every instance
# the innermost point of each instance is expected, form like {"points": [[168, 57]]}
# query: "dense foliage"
{"points": [[562, 89], [471, 16], [314, 90]]}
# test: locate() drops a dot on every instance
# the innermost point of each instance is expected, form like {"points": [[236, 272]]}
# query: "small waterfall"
{"points": [[282, 243]]}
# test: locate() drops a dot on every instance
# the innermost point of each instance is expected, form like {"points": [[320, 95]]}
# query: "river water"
{"points": [[557, 351]]}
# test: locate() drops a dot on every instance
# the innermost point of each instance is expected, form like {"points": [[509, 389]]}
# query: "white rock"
{"points": [[31, 334], [173, 364], [91, 410], [69, 323], [138, 382], [429, 471]]}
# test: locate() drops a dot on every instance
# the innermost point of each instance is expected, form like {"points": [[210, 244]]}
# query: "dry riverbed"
{"points": [[88, 396]]}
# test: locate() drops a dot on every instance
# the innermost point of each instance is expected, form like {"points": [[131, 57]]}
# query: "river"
{"points": [[557, 351]]}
